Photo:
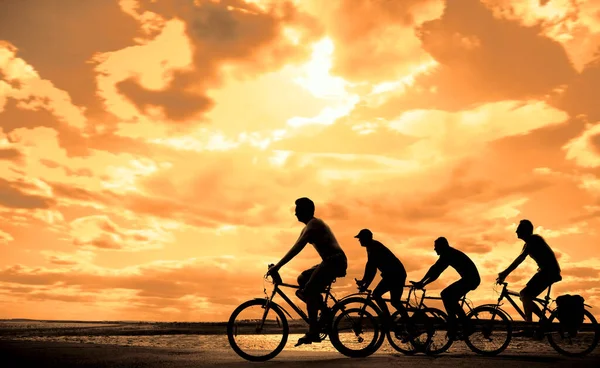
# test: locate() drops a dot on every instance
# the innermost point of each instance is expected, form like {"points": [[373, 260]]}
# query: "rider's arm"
{"points": [[370, 270], [434, 272], [515, 263], [297, 247]]}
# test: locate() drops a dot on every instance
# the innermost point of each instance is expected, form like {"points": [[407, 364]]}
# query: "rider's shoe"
{"points": [[308, 339]]}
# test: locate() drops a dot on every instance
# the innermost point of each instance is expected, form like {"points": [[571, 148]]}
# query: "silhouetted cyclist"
{"points": [[451, 295], [314, 280], [393, 274], [547, 274]]}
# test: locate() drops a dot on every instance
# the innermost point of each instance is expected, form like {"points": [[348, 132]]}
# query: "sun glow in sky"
{"points": [[148, 169]]}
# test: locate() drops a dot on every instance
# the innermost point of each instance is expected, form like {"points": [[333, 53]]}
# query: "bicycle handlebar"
{"points": [[275, 275]]}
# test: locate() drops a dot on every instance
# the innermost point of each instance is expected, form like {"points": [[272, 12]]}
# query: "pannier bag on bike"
{"points": [[570, 312]]}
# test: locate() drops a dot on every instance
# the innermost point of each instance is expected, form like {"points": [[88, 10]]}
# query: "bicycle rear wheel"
{"points": [[257, 332], [575, 344], [493, 331], [426, 334], [356, 333]]}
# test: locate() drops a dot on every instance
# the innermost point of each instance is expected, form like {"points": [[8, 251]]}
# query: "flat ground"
{"points": [[49, 354]]}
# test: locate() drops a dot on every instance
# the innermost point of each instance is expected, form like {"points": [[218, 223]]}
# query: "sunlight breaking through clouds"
{"points": [[148, 170], [317, 79]]}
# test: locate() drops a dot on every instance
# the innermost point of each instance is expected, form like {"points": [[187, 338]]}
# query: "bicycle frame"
{"points": [[506, 294], [411, 291], [462, 301], [370, 299], [277, 291]]}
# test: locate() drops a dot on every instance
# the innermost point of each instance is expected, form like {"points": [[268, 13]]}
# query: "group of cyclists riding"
{"points": [[313, 281]]}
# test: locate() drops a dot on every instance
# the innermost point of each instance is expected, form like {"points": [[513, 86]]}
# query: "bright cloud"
{"points": [[149, 171]]}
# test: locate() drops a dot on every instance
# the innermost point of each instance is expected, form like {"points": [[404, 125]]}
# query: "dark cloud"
{"points": [[541, 147], [14, 117], [482, 59], [178, 103], [595, 141], [13, 194], [11, 154], [70, 172], [162, 283], [581, 94], [581, 272], [471, 246], [59, 37], [61, 261], [69, 137], [82, 195], [227, 32]]}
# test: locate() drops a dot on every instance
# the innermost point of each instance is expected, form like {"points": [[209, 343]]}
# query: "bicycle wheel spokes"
{"points": [[492, 331], [257, 333], [435, 340], [573, 342], [398, 335], [356, 333]]}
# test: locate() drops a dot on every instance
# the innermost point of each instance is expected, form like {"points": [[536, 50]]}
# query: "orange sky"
{"points": [[151, 151]]}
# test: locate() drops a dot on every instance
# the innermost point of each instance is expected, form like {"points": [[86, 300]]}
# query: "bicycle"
{"points": [[413, 335], [438, 322], [502, 327], [276, 326]]}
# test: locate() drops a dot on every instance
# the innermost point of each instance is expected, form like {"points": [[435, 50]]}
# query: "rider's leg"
{"points": [[303, 280], [467, 285], [319, 279], [396, 296], [534, 287], [450, 297], [382, 288]]}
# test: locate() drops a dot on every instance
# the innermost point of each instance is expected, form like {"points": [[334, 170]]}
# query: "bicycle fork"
{"points": [[267, 307]]}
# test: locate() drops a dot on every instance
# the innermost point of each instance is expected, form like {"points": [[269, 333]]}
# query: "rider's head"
{"points": [[525, 229], [305, 209], [440, 244], [365, 236]]}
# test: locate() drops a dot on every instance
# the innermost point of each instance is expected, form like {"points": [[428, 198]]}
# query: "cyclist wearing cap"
{"points": [[393, 274], [313, 281], [451, 295], [548, 268]]}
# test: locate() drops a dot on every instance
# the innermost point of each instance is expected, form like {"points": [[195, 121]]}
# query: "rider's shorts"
{"points": [[540, 281]]}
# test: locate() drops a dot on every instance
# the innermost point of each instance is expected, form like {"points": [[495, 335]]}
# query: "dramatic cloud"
{"points": [[61, 44], [246, 37], [101, 232], [149, 169], [482, 59], [376, 38]]}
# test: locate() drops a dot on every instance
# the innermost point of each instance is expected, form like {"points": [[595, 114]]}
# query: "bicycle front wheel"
{"points": [[574, 343], [257, 330], [355, 332], [492, 331], [437, 332]]}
